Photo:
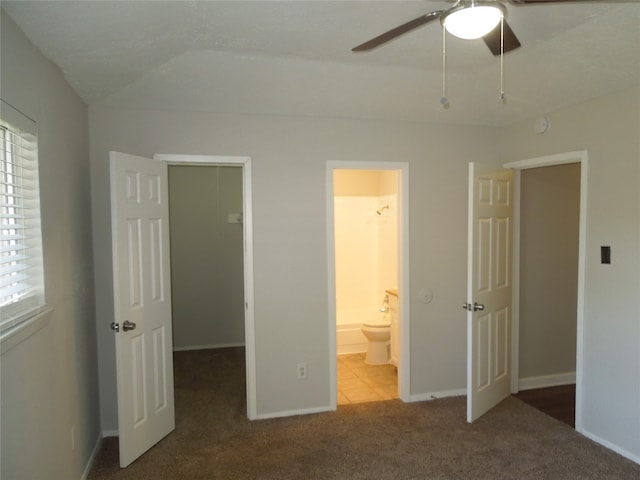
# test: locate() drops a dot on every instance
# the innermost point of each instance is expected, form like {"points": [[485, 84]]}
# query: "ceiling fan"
{"points": [[467, 19]]}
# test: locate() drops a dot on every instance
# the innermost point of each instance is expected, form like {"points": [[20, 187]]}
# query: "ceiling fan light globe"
{"points": [[472, 22]]}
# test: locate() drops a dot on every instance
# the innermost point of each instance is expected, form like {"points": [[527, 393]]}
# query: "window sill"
{"points": [[25, 329]]}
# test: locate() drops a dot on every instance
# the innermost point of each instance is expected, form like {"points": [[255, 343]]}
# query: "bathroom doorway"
{"points": [[368, 275]]}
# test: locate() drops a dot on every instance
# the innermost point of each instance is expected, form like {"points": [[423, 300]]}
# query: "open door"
{"points": [[142, 303], [489, 288]]}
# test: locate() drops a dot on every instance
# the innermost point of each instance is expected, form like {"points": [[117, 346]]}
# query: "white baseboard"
{"points": [[207, 347], [348, 349], [291, 413], [96, 449], [523, 384], [611, 446], [92, 457], [421, 397], [545, 381]]}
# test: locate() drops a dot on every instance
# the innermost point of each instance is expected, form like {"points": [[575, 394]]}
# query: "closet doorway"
{"points": [[532, 366], [238, 219]]}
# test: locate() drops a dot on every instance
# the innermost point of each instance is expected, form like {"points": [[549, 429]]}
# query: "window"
{"points": [[21, 269]]}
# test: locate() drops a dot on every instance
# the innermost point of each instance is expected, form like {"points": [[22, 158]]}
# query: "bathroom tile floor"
{"points": [[359, 382]]}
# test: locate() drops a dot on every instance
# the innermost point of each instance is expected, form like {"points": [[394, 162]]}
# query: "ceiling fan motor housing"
{"points": [[471, 19]]}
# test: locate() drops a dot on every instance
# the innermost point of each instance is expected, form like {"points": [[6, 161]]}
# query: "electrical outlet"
{"points": [[301, 371]]}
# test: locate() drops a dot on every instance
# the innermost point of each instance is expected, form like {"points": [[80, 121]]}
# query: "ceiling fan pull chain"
{"points": [[502, 96], [443, 100]]}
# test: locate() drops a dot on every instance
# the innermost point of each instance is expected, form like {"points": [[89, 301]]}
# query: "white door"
{"points": [[142, 303], [489, 288]]}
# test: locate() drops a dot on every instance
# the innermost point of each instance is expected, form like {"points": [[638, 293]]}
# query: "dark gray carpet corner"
{"points": [[381, 440]]}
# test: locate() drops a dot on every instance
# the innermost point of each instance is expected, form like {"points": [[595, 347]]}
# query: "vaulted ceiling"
{"points": [[295, 58]]}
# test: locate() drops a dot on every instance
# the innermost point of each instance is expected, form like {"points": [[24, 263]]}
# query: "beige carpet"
{"points": [[381, 440]]}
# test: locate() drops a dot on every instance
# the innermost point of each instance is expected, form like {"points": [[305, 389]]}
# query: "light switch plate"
{"points": [[234, 218]]}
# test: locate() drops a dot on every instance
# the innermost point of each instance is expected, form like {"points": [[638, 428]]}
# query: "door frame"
{"points": [[404, 344], [581, 157], [247, 226]]}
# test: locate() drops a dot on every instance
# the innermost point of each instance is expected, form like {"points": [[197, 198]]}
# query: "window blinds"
{"points": [[21, 269]]}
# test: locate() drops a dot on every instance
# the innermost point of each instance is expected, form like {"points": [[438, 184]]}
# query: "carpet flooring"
{"points": [[386, 440]]}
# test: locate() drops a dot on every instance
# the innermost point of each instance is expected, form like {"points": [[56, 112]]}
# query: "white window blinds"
{"points": [[21, 269]]}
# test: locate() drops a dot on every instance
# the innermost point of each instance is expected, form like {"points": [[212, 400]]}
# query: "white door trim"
{"points": [[247, 225], [581, 157], [404, 369]]}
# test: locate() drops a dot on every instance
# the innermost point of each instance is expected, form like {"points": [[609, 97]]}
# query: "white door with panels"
{"points": [[142, 303], [489, 286]]}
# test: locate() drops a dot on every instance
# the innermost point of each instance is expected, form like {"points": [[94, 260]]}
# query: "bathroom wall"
{"points": [[388, 240], [207, 288], [357, 260], [365, 242]]}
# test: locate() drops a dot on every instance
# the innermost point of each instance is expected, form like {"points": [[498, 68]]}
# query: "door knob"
{"points": [[127, 325], [477, 306], [115, 326]]}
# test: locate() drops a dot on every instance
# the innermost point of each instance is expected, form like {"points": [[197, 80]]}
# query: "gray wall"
{"points": [[289, 156], [206, 256], [609, 129], [49, 381], [549, 224]]}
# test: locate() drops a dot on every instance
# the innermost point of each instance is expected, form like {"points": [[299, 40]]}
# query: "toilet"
{"points": [[378, 333]]}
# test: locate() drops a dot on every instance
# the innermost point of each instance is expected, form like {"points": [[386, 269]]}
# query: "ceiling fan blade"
{"points": [[492, 39], [529, 2], [523, 2], [396, 32]]}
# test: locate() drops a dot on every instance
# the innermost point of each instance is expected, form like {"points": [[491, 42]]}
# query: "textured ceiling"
{"points": [[294, 57]]}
